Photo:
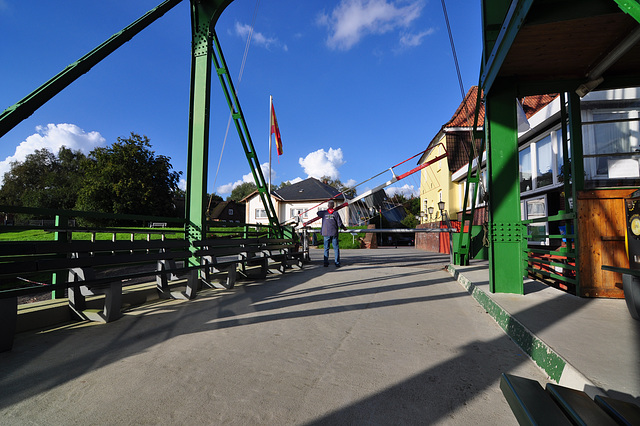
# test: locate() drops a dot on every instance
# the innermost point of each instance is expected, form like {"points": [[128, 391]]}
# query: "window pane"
{"points": [[613, 138], [544, 157], [560, 158], [525, 170]]}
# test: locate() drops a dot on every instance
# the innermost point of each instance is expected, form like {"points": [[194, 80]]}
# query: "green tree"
{"points": [[44, 180], [241, 191], [337, 184], [127, 177], [410, 221], [283, 184]]}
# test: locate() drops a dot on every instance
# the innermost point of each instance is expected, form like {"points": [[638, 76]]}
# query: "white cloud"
{"points": [[353, 19], [53, 137], [414, 40], [350, 183], [226, 189], [407, 190], [322, 163], [243, 30], [182, 184]]}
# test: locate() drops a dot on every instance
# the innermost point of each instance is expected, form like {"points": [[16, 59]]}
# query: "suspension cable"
{"points": [[463, 93], [242, 65]]}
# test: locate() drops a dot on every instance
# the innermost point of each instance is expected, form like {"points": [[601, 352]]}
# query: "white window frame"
{"points": [[261, 213], [588, 131], [556, 149], [525, 216], [296, 211]]}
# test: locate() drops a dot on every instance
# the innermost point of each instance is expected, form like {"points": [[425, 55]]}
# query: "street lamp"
{"points": [[441, 207], [430, 212]]}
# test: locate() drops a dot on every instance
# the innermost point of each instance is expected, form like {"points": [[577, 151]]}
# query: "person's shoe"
{"points": [[326, 264], [337, 265]]}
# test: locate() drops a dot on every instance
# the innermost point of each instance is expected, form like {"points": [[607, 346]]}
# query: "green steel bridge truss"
{"points": [[207, 59]]}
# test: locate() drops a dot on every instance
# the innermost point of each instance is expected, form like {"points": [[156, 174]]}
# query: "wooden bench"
{"points": [[83, 268], [89, 268], [281, 253], [559, 405]]}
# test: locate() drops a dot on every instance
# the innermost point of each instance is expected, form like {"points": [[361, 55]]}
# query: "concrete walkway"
{"points": [[389, 338], [584, 343]]}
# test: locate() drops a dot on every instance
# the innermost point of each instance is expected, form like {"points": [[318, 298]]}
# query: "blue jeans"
{"points": [[336, 249]]}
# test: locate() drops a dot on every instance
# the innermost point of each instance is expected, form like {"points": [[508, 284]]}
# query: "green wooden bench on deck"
{"points": [[282, 253], [559, 405], [83, 268]]}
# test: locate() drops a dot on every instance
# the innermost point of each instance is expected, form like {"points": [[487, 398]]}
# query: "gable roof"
{"points": [[457, 129], [307, 190], [465, 114], [254, 194], [222, 205]]}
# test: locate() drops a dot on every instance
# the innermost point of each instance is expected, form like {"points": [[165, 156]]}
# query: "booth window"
{"points": [[612, 144], [535, 208], [541, 163]]}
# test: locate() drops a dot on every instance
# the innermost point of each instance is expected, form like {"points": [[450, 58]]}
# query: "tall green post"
{"points": [[204, 15], [505, 228]]}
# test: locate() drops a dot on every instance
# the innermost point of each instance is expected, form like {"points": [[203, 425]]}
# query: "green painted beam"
{"points": [[632, 7], [13, 115], [577, 170], [204, 15], [499, 49], [505, 227]]}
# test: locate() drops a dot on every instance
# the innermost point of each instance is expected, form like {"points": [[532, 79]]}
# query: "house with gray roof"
{"points": [[299, 201]]}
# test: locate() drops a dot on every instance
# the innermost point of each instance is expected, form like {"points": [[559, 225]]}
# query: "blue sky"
{"points": [[358, 85]]}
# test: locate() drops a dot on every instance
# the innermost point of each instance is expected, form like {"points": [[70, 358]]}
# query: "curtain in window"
{"points": [[612, 138], [544, 159], [525, 170]]}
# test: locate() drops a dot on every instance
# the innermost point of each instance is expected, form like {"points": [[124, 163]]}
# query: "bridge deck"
{"points": [[389, 337]]}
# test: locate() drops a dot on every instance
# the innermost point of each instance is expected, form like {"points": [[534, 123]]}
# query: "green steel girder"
{"points": [[505, 250], [462, 253], [204, 15], [243, 133], [498, 48], [632, 7], [13, 115]]}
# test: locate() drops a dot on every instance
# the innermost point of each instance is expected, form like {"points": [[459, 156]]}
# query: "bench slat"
{"points": [[579, 406], [625, 413], [530, 403]]}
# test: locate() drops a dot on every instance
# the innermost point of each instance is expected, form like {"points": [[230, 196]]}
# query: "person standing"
{"points": [[331, 222]]}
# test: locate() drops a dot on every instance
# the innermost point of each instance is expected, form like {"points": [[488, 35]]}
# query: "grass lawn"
{"points": [[42, 235]]}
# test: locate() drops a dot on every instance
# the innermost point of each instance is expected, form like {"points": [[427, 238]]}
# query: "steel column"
{"points": [[505, 228], [204, 15], [577, 172]]}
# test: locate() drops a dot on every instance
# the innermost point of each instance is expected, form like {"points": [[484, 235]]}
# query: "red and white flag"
{"points": [[275, 130]]}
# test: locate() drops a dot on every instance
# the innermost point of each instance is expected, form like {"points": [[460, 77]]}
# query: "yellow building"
{"points": [[453, 139]]}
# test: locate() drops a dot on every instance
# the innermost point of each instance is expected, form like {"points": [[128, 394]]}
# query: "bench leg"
{"points": [[162, 282], [77, 301], [228, 282], [193, 284], [255, 261], [111, 310], [112, 302], [631, 286], [8, 319]]}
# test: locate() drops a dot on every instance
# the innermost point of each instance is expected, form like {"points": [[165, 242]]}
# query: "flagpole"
{"points": [[270, 119]]}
